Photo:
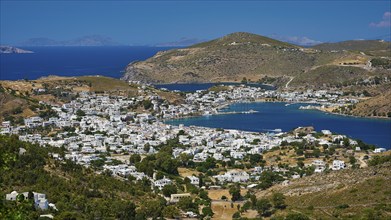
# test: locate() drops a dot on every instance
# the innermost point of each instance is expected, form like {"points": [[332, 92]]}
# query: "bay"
{"points": [[279, 116], [192, 87]]}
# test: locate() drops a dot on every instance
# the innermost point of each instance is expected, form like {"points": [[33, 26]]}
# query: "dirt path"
{"points": [[287, 84]]}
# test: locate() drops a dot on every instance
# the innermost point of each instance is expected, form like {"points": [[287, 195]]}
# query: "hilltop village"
{"points": [[127, 138]]}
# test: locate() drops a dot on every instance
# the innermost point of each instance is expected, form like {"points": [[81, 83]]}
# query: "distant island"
{"points": [[91, 40], [9, 49]]}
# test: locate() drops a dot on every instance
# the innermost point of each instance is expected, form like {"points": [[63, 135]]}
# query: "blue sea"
{"points": [[72, 61], [278, 116]]}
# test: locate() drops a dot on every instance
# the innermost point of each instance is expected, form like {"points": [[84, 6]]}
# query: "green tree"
{"points": [[204, 195], [255, 158], [207, 211], [134, 158], [246, 206], [186, 204], [171, 212], [236, 215], [278, 200], [153, 207], [234, 190], [168, 190], [147, 104], [263, 207], [129, 212], [352, 160], [147, 147], [80, 113]]}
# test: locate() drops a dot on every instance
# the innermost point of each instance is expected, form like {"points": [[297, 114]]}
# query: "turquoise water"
{"points": [[277, 115]]}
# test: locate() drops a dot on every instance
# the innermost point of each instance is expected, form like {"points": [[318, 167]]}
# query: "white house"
{"points": [[380, 150], [233, 176], [194, 180], [338, 165], [320, 166], [11, 196], [40, 200], [162, 182]]}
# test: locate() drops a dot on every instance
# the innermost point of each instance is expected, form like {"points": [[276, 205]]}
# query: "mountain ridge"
{"points": [[89, 40], [240, 55]]}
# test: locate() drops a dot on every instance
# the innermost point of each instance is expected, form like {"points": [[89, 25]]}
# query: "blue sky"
{"points": [[151, 22]]}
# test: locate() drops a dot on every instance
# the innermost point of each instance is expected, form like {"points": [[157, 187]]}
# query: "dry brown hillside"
{"points": [[379, 105], [346, 194], [244, 55]]}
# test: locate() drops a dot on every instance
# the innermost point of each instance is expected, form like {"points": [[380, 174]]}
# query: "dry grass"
{"points": [[171, 97], [101, 83], [216, 194], [223, 210], [184, 172]]}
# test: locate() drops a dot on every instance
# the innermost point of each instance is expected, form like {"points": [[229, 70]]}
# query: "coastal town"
{"points": [[151, 110], [99, 123], [100, 131]]}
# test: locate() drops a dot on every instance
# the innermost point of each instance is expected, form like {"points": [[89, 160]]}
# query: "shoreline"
{"points": [[262, 101], [184, 120], [286, 102]]}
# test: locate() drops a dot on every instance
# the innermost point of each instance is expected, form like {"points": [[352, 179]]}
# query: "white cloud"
{"points": [[386, 22]]}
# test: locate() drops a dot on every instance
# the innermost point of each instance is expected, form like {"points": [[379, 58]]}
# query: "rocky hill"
{"points": [[370, 47], [245, 55], [379, 105]]}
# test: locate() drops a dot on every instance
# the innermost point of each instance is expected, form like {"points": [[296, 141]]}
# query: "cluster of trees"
{"points": [[381, 62], [377, 160], [264, 206], [162, 161], [77, 191]]}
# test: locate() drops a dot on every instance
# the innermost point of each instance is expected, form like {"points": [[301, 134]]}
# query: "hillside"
{"points": [[243, 55], [379, 105], [78, 192], [21, 98], [370, 47], [353, 194]]}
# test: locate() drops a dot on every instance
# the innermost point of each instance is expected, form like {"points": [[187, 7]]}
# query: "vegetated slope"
{"points": [[353, 193], [371, 47], [239, 55], [12, 105], [78, 192]]}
